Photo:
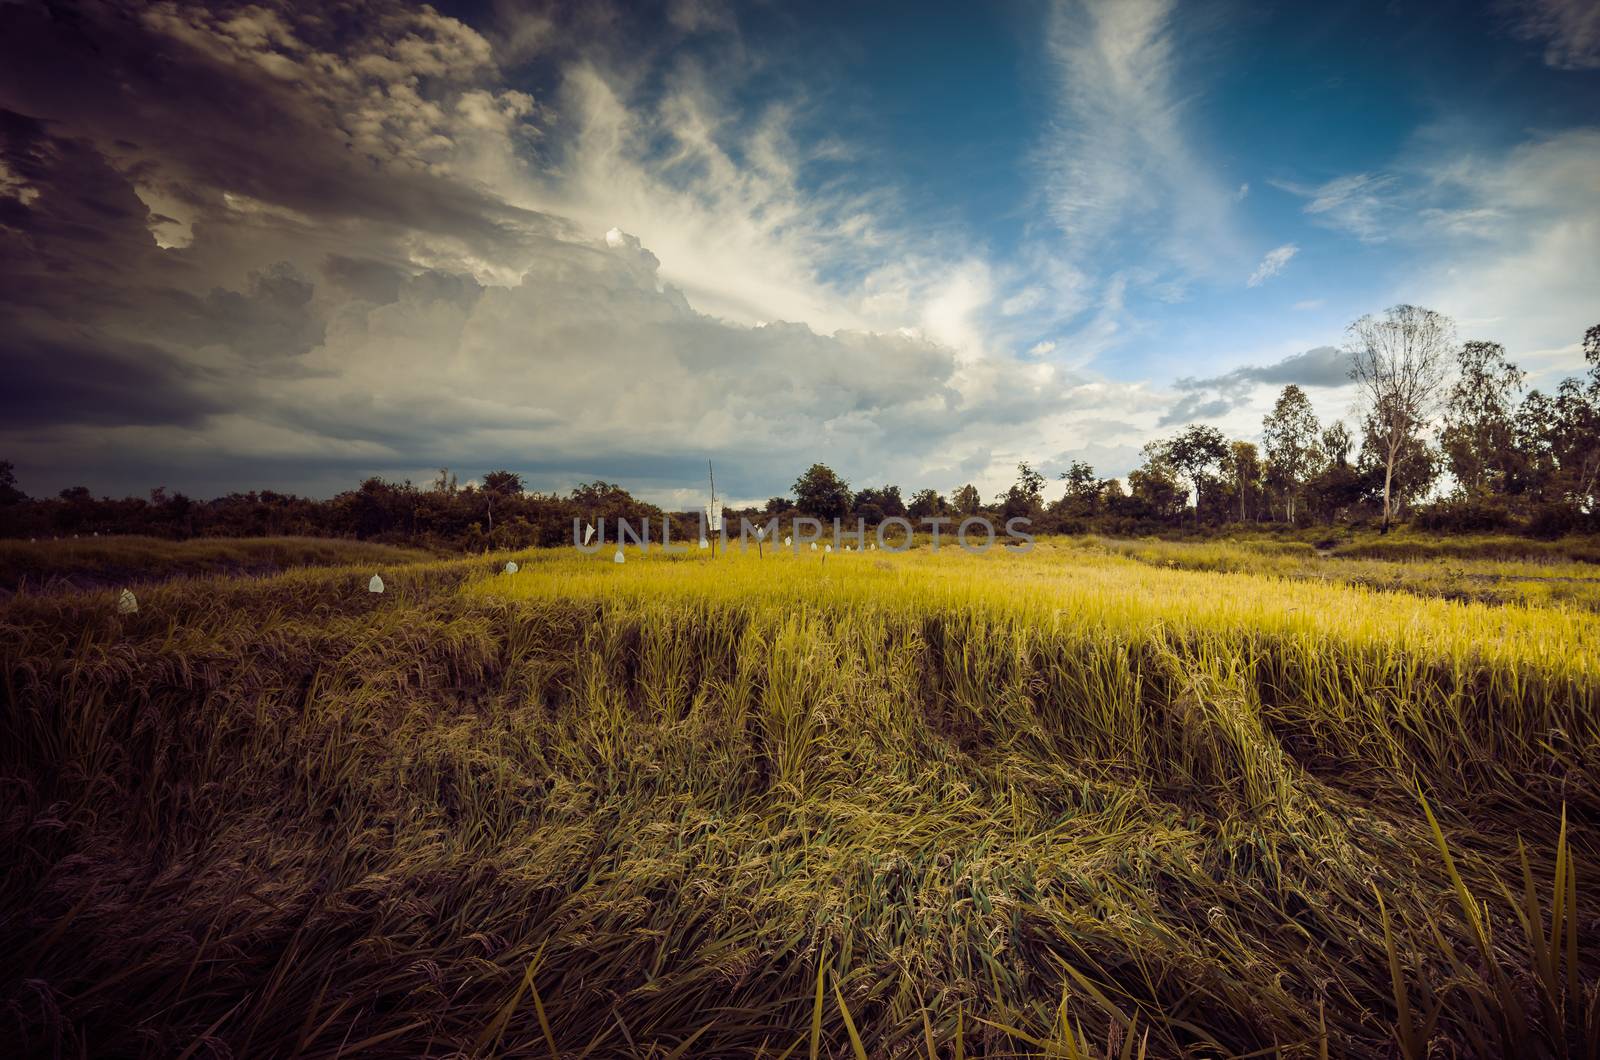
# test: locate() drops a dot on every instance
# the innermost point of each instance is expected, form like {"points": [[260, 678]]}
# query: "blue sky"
{"points": [[918, 242]]}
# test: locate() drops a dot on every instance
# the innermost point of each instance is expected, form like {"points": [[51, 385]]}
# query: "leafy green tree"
{"points": [[1335, 444], [927, 502], [1479, 420], [1154, 488], [1192, 453], [876, 505], [1289, 435], [1025, 496], [1402, 475], [502, 483], [1556, 439], [967, 501], [1243, 470], [1535, 464], [1338, 485], [1082, 497], [822, 493]]}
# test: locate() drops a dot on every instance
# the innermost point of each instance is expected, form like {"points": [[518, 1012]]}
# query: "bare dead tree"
{"points": [[1400, 362]]}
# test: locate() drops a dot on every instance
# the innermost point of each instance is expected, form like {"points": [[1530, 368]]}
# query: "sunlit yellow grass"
{"points": [[1058, 586]]}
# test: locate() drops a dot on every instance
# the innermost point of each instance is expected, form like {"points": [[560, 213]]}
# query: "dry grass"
{"points": [[1473, 571], [1055, 805]]}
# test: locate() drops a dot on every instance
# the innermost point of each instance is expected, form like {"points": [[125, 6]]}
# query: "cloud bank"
{"points": [[304, 247]]}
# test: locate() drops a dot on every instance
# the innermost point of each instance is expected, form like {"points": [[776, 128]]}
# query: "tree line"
{"points": [[1447, 439]]}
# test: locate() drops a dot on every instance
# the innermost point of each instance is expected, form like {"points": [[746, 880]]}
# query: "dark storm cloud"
{"points": [[1320, 366], [257, 240], [104, 327], [214, 121], [82, 377], [377, 282]]}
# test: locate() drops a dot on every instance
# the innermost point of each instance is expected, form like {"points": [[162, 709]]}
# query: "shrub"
{"points": [[1462, 516], [1550, 521]]}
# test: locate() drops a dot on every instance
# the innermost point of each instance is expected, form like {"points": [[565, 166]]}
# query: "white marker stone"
{"points": [[588, 532], [704, 543], [127, 603], [813, 546], [785, 540], [827, 548], [375, 585], [511, 566], [618, 558]]}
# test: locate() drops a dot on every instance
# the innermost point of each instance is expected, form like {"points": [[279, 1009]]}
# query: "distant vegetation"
{"points": [[1438, 421]]}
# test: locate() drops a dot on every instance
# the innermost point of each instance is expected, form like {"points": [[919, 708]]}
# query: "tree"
{"points": [[1558, 443], [1479, 423], [778, 505], [1243, 468], [821, 493], [1338, 485], [1400, 361], [1083, 489], [967, 501], [1289, 434], [927, 502], [1024, 497], [876, 505], [1535, 462], [1336, 443], [503, 483], [1408, 474], [1192, 453], [9, 493], [1153, 488]]}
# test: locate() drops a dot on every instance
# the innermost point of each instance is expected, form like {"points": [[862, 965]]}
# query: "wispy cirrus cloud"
{"points": [[1570, 30], [1357, 203], [1513, 240], [1272, 264], [1118, 164]]}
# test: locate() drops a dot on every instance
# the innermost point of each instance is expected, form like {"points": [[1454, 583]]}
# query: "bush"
{"points": [[1550, 521], [1462, 516]]}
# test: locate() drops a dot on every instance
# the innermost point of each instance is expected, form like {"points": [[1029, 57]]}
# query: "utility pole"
{"points": [[710, 471]]}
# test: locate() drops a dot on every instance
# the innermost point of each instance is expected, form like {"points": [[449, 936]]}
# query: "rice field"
{"points": [[1493, 571], [1072, 803]]}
